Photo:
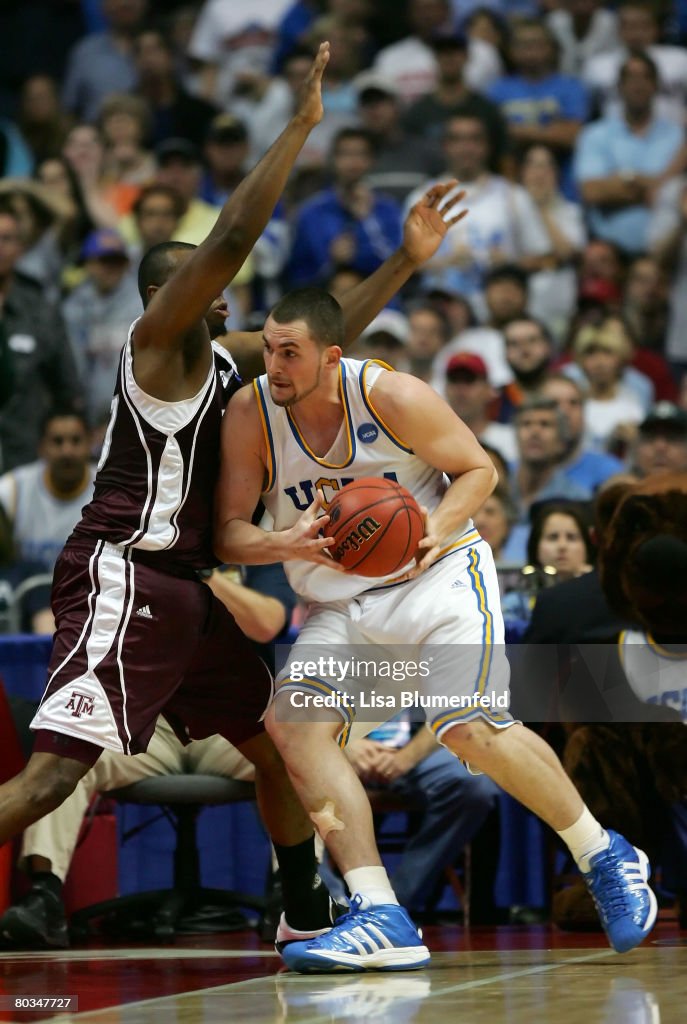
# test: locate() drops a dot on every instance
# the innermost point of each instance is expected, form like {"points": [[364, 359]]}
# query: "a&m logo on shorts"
{"points": [[80, 704], [367, 433]]}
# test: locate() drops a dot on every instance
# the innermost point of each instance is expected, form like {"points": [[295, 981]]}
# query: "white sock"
{"points": [[585, 838], [372, 883]]}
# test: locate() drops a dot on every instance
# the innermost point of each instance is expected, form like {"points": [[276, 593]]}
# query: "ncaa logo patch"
{"points": [[367, 433]]}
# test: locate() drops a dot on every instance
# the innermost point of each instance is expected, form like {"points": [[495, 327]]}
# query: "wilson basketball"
{"points": [[377, 526]]}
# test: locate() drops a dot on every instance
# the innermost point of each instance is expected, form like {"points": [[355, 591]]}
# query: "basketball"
{"points": [[377, 526]]}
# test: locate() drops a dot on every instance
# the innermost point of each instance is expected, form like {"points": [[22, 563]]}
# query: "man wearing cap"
{"points": [[401, 162], [98, 313], [661, 444], [470, 394]]}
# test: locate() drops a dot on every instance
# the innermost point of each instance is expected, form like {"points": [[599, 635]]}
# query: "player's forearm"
{"points": [[465, 495], [245, 214], [238, 542], [259, 616], [362, 304]]}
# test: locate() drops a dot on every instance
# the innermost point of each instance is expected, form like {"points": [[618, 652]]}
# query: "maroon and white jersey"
{"points": [[156, 478]]}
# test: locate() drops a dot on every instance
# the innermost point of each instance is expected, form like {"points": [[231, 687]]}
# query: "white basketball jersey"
{"points": [[364, 446], [657, 676]]}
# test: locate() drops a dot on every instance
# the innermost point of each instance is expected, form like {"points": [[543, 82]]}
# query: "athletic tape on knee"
{"points": [[326, 821]]}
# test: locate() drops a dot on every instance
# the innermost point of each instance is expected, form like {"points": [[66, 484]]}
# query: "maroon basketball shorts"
{"points": [[131, 643]]}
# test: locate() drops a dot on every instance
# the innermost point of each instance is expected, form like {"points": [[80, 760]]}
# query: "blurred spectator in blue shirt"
{"points": [[347, 223], [621, 161], [540, 105], [103, 63]]}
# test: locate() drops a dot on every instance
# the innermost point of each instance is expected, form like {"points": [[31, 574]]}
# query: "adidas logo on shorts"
{"points": [[456, 584], [145, 612]]}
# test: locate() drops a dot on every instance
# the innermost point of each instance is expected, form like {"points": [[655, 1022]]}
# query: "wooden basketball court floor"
{"points": [[533, 975]]}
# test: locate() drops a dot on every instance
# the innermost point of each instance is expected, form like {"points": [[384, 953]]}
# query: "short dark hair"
{"points": [[320, 311], [507, 272], [639, 56], [63, 412], [159, 190], [344, 134], [157, 266]]}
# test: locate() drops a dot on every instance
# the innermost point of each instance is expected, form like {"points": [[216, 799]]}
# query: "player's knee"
{"points": [[469, 740]]}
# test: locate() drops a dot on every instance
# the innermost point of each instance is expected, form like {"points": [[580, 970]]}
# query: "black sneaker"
{"points": [[37, 921]]}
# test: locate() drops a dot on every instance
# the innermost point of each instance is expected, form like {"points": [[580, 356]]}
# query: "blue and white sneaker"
{"points": [[617, 880], [376, 938]]}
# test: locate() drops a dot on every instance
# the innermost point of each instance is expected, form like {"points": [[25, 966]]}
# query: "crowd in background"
{"points": [[553, 318]]}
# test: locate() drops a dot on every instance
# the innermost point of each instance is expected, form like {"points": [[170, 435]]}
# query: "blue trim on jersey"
{"points": [[349, 428], [380, 423], [267, 426]]}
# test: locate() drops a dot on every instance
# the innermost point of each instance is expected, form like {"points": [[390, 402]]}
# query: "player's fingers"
{"points": [[454, 220], [454, 200], [321, 59]]}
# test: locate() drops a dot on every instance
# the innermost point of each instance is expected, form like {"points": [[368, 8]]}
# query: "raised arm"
{"points": [[184, 299]]}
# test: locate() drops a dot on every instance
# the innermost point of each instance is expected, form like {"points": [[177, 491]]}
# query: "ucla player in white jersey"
{"points": [[313, 421]]}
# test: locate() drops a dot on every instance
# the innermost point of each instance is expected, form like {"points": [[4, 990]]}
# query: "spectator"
{"points": [[84, 151], [180, 167], [621, 160], [541, 433], [42, 121], [505, 295], [540, 106], [411, 63], [552, 283], [43, 499], [529, 352], [125, 127], [156, 215], [40, 216], [41, 357], [495, 519], [589, 469], [102, 63], [401, 161], [667, 236], [601, 273], [603, 353], [385, 338], [231, 40], [98, 314], [470, 395], [494, 231], [61, 183], [347, 223], [174, 112], [452, 98], [639, 29], [560, 546], [661, 443], [645, 306], [428, 335], [583, 29], [16, 159]]}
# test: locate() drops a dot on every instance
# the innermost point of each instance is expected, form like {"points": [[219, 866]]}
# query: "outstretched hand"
{"points": [[310, 109], [426, 225]]}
